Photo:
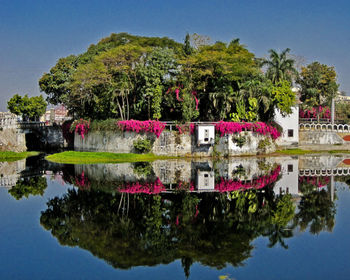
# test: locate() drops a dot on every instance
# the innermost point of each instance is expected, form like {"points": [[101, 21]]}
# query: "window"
{"points": [[290, 132], [206, 135], [290, 168]]}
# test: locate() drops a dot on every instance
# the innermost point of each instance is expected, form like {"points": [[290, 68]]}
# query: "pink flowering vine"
{"points": [[315, 181], [80, 127], [259, 183], [323, 112], [225, 128], [148, 188], [177, 89], [82, 181], [151, 126]]}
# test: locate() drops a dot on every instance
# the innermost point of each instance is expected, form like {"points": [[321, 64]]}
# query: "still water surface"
{"points": [[248, 218]]}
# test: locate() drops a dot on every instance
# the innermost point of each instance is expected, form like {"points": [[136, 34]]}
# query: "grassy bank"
{"points": [[72, 157], [12, 156], [295, 152], [101, 157]]}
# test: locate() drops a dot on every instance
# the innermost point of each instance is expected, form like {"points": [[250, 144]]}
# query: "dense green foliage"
{"points": [[280, 67], [142, 145], [29, 108], [318, 84], [214, 229], [342, 111], [126, 76], [153, 229]]}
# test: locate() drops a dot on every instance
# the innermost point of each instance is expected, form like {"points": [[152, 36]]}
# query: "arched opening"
{"points": [[33, 142]]}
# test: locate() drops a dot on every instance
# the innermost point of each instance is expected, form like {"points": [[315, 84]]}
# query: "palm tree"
{"points": [[280, 67]]}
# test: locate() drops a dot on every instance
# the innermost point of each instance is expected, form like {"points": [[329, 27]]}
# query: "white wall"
{"points": [[202, 137], [289, 122], [289, 180]]}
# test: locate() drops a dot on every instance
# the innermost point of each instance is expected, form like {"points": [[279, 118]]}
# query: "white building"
{"points": [[290, 126], [289, 180], [205, 134]]}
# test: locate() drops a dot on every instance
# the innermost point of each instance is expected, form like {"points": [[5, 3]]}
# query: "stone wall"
{"points": [[10, 172], [12, 140], [43, 137], [8, 120], [53, 137], [319, 138], [254, 144], [171, 143]]}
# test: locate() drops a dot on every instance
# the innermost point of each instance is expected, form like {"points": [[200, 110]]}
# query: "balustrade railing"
{"points": [[311, 126], [325, 172]]}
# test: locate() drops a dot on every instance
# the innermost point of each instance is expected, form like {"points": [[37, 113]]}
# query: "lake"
{"points": [[244, 218]]}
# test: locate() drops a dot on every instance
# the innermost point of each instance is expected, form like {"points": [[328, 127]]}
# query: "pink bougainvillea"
{"points": [[323, 112], [315, 181], [151, 126], [80, 127], [261, 182], [194, 93], [82, 181], [177, 89], [148, 188], [225, 128]]}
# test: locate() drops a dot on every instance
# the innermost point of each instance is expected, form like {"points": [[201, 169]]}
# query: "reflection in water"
{"points": [[155, 213], [144, 214], [28, 186], [132, 230]]}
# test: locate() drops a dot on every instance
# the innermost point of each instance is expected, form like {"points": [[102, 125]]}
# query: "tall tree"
{"points": [[187, 45], [279, 66], [154, 72], [318, 84]]}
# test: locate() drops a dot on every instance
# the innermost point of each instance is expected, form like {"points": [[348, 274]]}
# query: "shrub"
{"points": [[143, 169], [104, 125], [239, 140], [264, 144], [142, 145]]}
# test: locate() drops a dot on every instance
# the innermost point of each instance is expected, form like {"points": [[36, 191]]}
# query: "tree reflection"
{"points": [[129, 230], [316, 209], [28, 186]]}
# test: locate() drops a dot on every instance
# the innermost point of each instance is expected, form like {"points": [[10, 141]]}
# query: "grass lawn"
{"points": [[101, 157], [296, 152], [12, 156], [303, 152]]}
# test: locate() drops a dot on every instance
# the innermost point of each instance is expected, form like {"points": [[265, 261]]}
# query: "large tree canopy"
{"points": [[318, 84], [29, 108], [126, 76]]}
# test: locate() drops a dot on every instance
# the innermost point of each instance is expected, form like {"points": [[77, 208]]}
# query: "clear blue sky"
{"points": [[35, 34]]}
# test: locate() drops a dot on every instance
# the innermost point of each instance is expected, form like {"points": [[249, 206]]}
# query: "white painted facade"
{"points": [[289, 179], [205, 134], [290, 126], [205, 180]]}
